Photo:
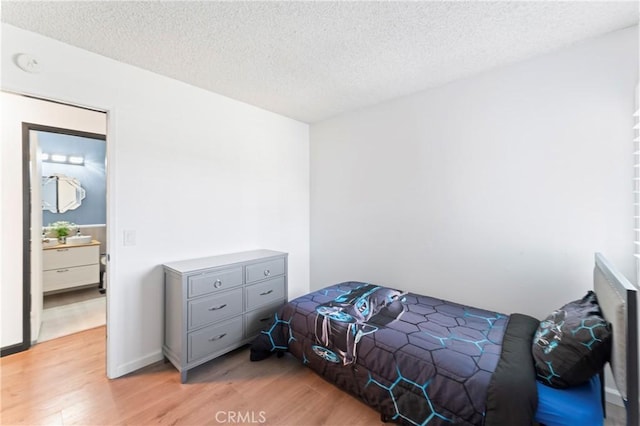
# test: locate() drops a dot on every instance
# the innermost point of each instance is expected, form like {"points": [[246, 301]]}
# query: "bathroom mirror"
{"points": [[61, 193]]}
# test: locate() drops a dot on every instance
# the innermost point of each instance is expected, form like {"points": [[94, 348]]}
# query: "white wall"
{"points": [[191, 172], [493, 191]]}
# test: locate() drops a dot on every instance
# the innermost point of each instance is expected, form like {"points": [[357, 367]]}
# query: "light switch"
{"points": [[129, 238]]}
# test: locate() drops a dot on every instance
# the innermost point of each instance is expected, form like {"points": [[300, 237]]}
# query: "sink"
{"points": [[78, 239], [49, 242]]}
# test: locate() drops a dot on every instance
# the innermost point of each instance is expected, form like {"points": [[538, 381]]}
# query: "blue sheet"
{"points": [[581, 405]]}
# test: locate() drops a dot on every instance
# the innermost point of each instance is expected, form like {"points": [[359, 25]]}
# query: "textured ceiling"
{"points": [[314, 60]]}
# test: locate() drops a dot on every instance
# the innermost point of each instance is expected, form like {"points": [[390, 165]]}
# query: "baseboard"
{"points": [[137, 364], [612, 396], [13, 349]]}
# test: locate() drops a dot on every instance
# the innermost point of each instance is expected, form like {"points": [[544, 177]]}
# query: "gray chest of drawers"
{"points": [[216, 304]]}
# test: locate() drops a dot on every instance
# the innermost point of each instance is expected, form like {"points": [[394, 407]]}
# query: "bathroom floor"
{"points": [[71, 312]]}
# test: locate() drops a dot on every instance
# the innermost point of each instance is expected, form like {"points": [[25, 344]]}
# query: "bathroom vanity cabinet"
{"points": [[66, 266], [216, 304]]}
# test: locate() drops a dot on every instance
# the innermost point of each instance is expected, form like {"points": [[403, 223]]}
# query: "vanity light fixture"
{"points": [[76, 160]]}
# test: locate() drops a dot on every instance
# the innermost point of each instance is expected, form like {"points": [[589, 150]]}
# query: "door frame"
{"points": [[26, 215]]}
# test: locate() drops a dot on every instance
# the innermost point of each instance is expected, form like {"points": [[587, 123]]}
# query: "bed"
{"points": [[424, 361]]}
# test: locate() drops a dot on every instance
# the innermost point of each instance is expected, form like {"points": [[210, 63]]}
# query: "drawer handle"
{"points": [[215, 308], [267, 272], [62, 249], [217, 284], [62, 270], [266, 292], [213, 339]]}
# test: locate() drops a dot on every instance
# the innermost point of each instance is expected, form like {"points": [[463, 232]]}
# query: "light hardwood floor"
{"points": [[63, 381]]}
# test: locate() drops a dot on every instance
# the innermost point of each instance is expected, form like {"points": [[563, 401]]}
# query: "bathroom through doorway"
{"points": [[68, 184]]}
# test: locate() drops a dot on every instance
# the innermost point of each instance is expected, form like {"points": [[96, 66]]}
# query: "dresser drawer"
{"points": [[263, 270], [209, 282], [58, 279], [70, 256], [264, 293], [208, 309], [259, 319], [214, 338]]}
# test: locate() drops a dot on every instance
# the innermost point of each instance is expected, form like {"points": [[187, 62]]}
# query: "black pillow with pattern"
{"points": [[572, 344]]}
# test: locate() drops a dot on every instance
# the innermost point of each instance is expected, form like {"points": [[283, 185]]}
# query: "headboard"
{"points": [[618, 301]]}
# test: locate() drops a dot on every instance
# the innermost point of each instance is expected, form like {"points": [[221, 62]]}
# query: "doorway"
{"points": [[17, 315], [68, 234], [24, 120]]}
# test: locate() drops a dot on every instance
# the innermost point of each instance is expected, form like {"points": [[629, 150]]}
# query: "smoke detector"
{"points": [[27, 63]]}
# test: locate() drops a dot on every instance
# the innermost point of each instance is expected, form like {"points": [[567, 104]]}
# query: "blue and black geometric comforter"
{"points": [[415, 359]]}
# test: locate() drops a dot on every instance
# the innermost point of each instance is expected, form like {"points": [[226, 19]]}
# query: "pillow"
{"points": [[572, 344]]}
